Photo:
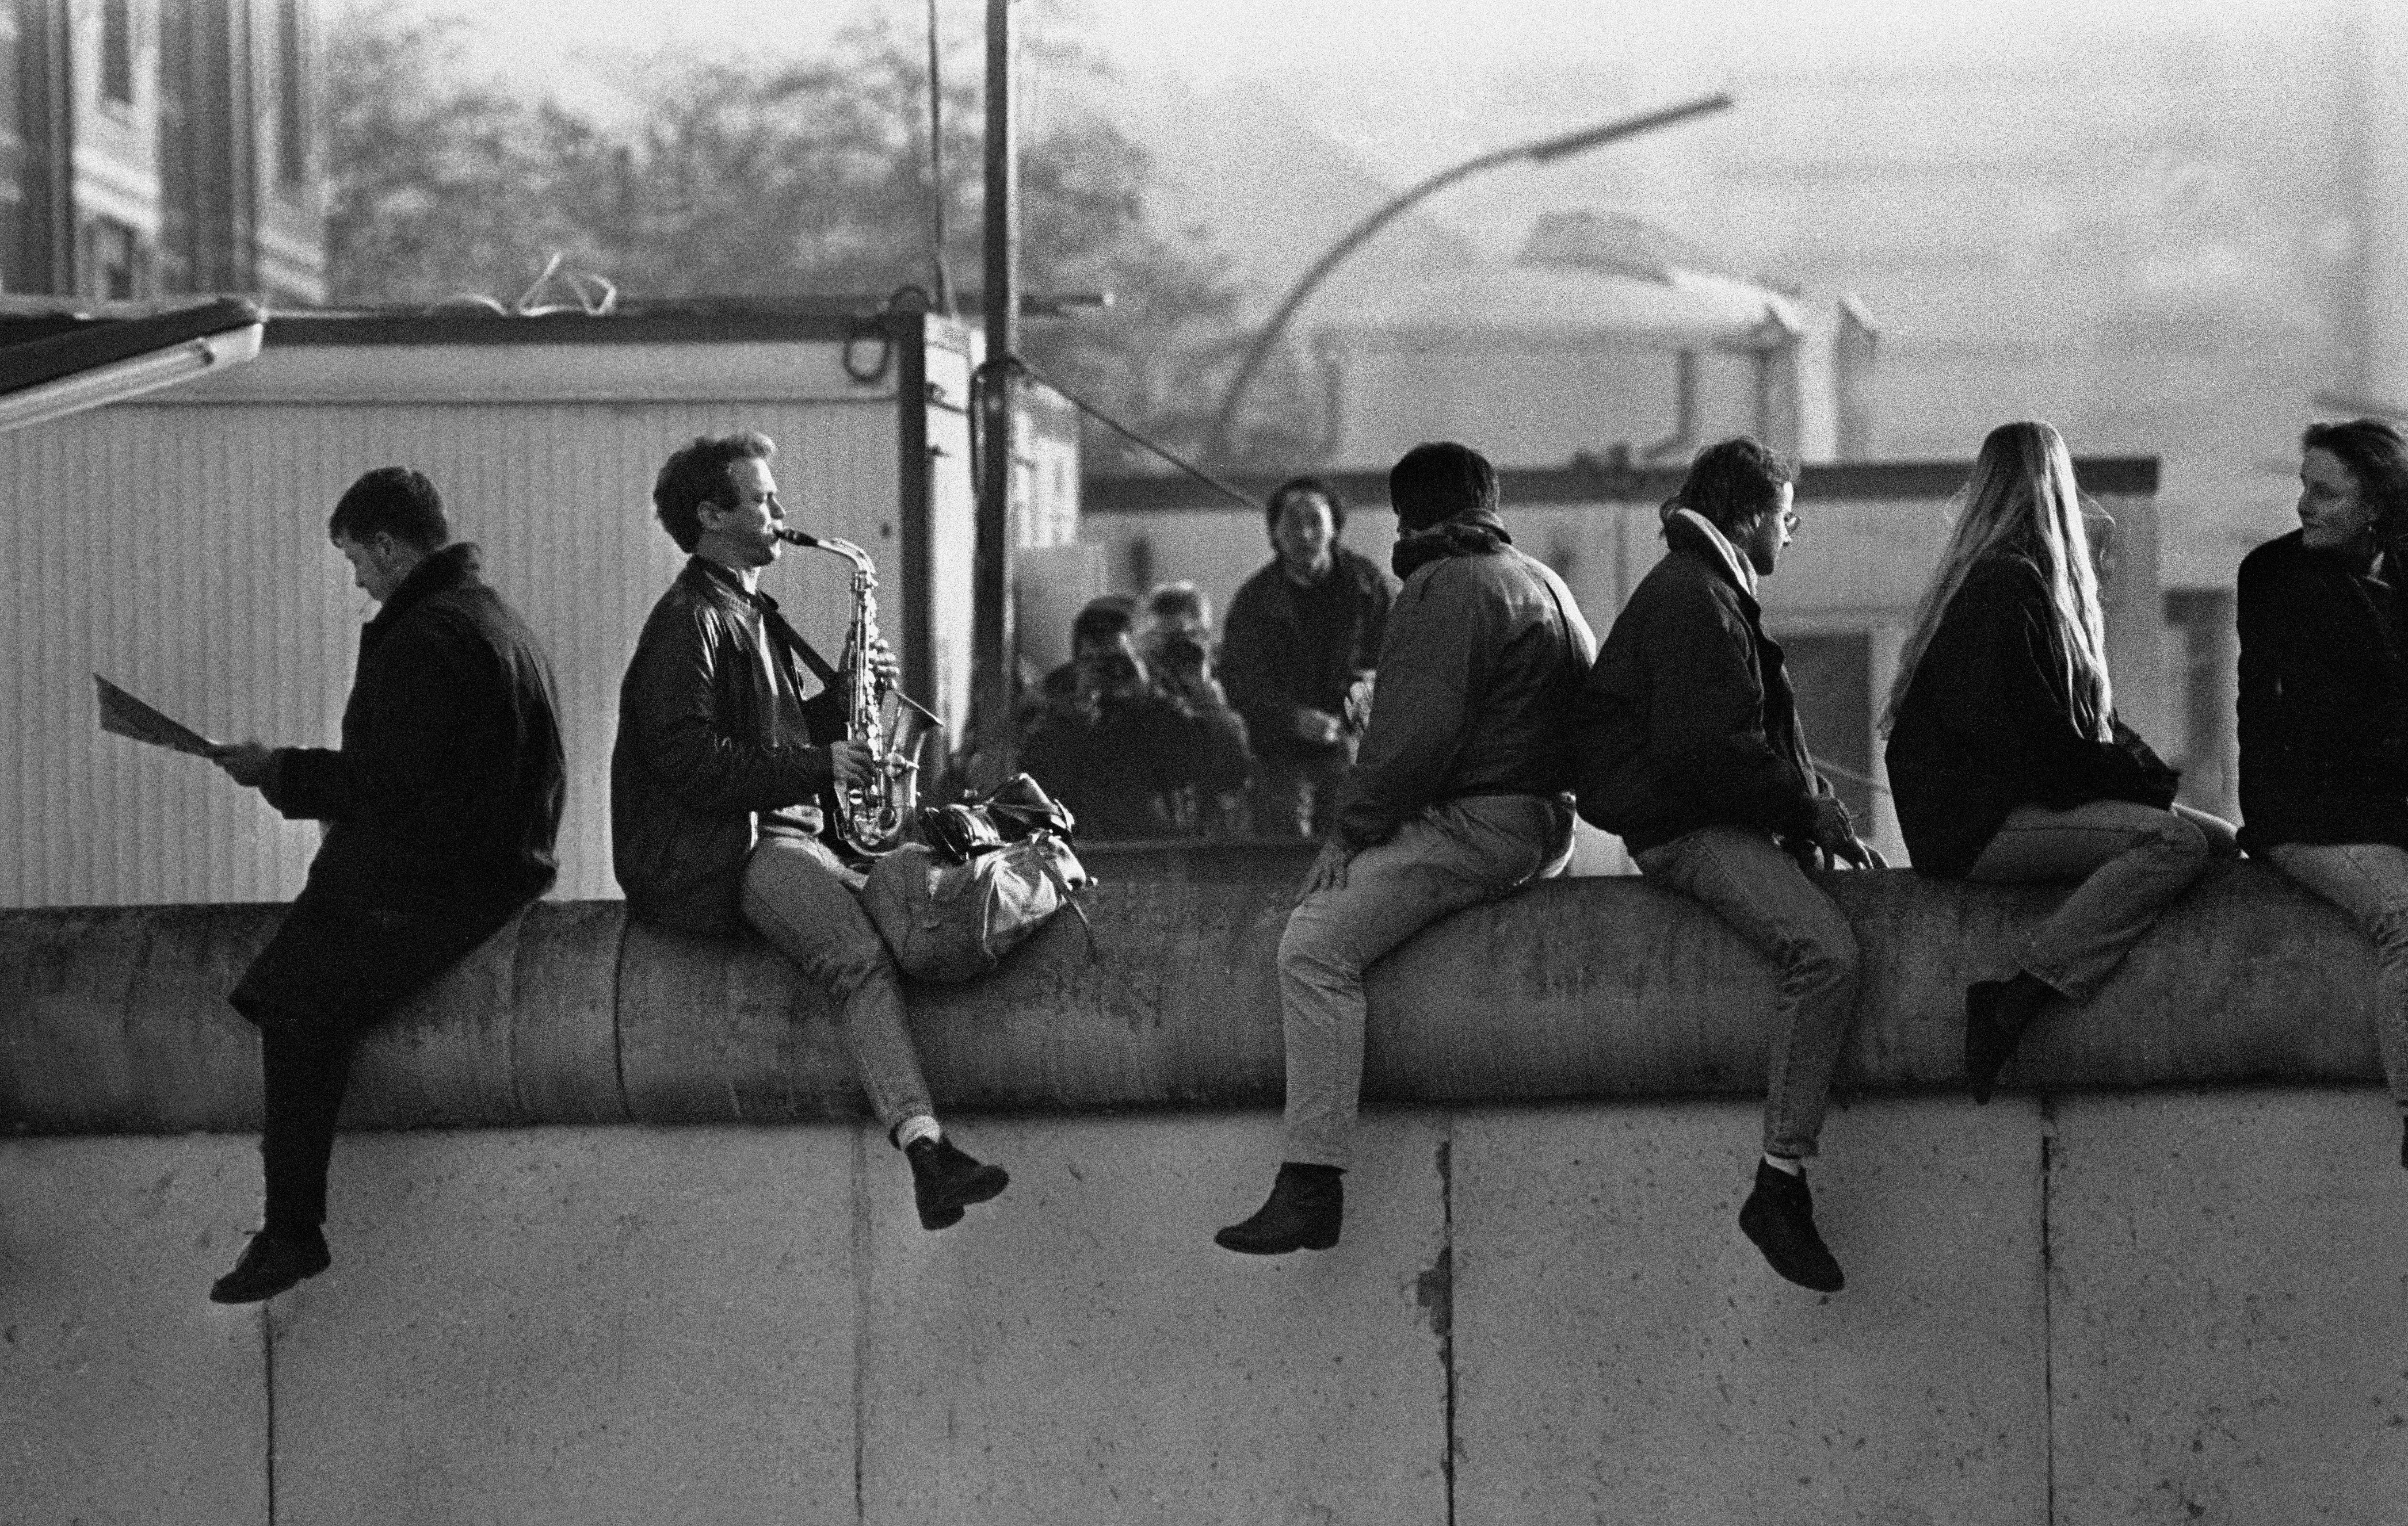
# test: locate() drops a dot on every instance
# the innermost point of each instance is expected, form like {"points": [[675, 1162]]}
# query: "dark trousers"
{"points": [[350, 950], [307, 1070]]}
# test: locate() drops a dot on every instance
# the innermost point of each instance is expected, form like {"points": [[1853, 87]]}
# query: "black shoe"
{"points": [[1303, 1211], [944, 1181], [1988, 1045], [269, 1264], [1778, 1217]]}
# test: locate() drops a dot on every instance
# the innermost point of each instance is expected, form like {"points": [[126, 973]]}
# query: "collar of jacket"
{"points": [[1475, 532], [448, 568], [710, 577], [1689, 530]]}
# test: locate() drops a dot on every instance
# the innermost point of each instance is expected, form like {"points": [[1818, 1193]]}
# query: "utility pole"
{"points": [[990, 624]]}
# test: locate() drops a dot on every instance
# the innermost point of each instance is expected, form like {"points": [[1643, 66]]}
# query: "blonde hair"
{"points": [[2022, 505]]}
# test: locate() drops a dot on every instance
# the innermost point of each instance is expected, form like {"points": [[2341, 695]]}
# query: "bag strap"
{"points": [[782, 631], [1070, 897]]}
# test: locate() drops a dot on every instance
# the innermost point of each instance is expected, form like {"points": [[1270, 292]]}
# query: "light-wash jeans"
{"points": [[1455, 853], [2132, 860], [2369, 882], [800, 897], [1749, 881]]}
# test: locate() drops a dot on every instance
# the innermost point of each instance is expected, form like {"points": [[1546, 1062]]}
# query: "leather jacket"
{"points": [[714, 745]]}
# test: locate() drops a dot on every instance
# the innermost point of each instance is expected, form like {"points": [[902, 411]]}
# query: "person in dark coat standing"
{"points": [[716, 777], [2324, 703], [2006, 759], [441, 806], [1461, 793], [1300, 634], [1691, 753]]}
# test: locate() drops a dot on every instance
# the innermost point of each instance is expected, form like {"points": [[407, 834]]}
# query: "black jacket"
{"points": [[1687, 719], [1478, 674], [442, 805], [707, 747], [1272, 671], [450, 770], [1985, 728], [2324, 700]]}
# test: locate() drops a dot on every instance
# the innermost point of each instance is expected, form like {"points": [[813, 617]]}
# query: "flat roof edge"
{"points": [[1860, 480]]}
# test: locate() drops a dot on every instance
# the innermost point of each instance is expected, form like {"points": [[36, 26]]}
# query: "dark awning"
{"points": [[55, 362]]}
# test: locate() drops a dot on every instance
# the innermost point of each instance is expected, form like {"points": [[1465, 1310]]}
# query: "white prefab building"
{"points": [[176, 544]]}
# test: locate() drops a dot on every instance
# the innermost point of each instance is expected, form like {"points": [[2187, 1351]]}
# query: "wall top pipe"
{"points": [[114, 1020]]}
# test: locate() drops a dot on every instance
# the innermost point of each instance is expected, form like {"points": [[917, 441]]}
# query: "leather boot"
{"points": [[1302, 1213], [1996, 1011], [1778, 1217], [274, 1260], [945, 1180]]}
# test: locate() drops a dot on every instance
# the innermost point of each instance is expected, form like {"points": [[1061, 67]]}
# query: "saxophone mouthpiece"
{"points": [[793, 537]]}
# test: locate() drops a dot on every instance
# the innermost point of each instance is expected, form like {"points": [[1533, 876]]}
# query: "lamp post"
{"points": [[1546, 150]]}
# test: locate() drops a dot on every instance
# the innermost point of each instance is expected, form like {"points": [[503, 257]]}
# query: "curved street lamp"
{"points": [[1546, 150]]}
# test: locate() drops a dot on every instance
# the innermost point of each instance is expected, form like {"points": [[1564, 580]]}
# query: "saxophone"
{"points": [[873, 818]]}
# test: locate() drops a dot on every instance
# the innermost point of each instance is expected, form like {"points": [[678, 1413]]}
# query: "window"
{"points": [[116, 256], [292, 114], [117, 51]]}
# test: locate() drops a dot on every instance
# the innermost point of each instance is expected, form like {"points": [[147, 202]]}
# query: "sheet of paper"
{"points": [[123, 716]]}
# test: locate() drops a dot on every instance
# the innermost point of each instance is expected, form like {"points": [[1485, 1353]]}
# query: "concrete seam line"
{"points": [[863, 1263], [2047, 1312], [267, 1387], [619, 1022]]}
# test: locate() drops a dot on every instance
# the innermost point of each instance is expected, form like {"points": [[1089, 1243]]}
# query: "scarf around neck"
{"points": [[1743, 571], [1475, 532]]}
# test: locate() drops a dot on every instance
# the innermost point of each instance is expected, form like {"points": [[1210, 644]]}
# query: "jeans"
{"points": [[1455, 853], [2132, 860], [1755, 886], [2369, 882], [800, 897]]}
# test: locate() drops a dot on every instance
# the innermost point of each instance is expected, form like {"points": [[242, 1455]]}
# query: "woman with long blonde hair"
{"points": [[2006, 759]]}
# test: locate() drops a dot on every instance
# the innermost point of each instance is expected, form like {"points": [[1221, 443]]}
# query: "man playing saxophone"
{"points": [[720, 761]]}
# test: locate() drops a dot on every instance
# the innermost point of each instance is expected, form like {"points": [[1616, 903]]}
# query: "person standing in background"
{"points": [[1300, 633]]}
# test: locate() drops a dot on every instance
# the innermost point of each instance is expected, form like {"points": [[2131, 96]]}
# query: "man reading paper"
{"points": [[442, 804]]}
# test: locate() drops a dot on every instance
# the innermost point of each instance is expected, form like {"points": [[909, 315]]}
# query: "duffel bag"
{"points": [[953, 921]]}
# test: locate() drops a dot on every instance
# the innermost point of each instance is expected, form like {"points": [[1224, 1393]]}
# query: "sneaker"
{"points": [[944, 1181], [1303, 1213], [272, 1262], [1778, 1217]]}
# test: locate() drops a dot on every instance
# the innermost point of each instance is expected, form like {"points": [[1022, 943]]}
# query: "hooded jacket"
{"points": [[1478, 674]]}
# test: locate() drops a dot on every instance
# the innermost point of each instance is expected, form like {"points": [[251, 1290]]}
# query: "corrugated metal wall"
{"points": [[180, 549]]}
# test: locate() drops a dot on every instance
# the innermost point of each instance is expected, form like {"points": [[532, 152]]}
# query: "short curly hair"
{"points": [[1732, 482], [699, 473]]}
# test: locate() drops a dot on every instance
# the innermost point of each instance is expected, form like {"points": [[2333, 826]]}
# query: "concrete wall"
{"points": [[2173, 1308], [2160, 1280], [115, 1020]]}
